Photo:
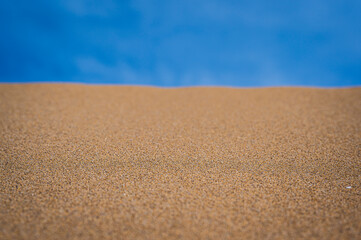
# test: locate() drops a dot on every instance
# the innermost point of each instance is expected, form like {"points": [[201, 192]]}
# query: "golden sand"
{"points": [[105, 162]]}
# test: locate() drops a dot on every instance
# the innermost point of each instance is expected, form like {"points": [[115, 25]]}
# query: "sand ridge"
{"points": [[117, 162]]}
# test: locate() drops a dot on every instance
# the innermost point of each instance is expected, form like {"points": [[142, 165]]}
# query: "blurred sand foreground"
{"points": [[105, 162]]}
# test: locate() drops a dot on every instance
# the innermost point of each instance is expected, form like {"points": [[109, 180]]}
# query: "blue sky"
{"points": [[182, 42]]}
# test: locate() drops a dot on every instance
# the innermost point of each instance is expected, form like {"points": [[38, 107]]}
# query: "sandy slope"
{"points": [[93, 162]]}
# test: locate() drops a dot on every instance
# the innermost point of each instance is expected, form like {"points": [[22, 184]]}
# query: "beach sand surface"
{"points": [[119, 162]]}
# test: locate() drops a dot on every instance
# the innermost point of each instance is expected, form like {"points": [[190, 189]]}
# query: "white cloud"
{"points": [[92, 70]]}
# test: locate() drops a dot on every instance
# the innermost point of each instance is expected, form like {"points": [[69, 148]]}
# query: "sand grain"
{"points": [[102, 162]]}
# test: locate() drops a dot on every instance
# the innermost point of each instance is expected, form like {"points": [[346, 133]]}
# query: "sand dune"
{"points": [[105, 162]]}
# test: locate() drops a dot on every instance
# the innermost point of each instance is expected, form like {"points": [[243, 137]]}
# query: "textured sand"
{"points": [[92, 162]]}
